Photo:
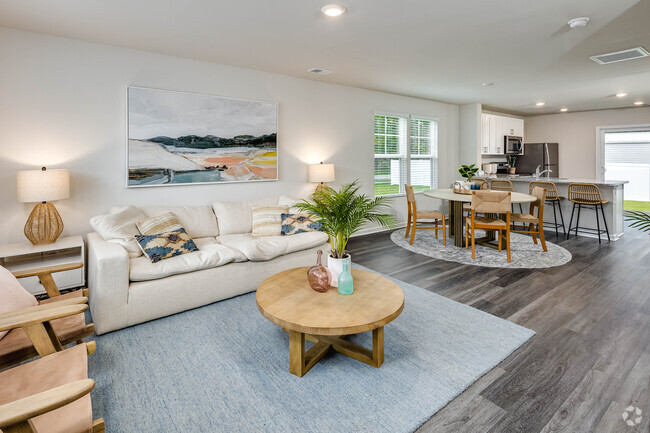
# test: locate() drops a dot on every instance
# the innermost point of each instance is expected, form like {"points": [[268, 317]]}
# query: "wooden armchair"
{"points": [[50, 394], [45, 327]]}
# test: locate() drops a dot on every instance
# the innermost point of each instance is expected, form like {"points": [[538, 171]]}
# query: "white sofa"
{"points": [[126, 290]]}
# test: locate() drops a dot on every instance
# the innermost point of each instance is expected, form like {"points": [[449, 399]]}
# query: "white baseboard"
{"points": [[371, 230]]}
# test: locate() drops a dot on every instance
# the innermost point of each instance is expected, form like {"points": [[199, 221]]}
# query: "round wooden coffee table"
{"points": [[325, 318]]}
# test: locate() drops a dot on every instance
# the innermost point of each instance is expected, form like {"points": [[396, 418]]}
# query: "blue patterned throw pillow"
{"points": [[294, 223], [165, 245]]}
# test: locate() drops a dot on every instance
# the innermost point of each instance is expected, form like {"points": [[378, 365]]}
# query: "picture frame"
{"points": [[180, 138]]}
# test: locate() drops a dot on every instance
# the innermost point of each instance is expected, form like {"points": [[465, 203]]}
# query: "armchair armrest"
{"points": [[47, 270], [40, 314], [20, 411]]}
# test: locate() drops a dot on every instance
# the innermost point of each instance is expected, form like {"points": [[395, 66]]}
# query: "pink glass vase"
{"points": [[318, 276]]}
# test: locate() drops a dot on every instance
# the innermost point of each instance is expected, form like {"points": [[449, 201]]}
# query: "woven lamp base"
{"points": [[44, 224]]}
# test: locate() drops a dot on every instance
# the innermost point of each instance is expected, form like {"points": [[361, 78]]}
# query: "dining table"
{"points": [[456, 201]]}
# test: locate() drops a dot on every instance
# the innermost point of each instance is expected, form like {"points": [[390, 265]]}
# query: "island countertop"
{"points": [[556, 180]]}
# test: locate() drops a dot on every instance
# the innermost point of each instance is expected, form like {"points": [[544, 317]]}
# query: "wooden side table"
{"points": [[31, 263]]}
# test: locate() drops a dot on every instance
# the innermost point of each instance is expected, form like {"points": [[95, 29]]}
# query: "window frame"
{"points": [[435, 157]]}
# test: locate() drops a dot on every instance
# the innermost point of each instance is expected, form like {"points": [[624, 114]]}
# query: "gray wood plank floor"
{"points": [[590, 359]]}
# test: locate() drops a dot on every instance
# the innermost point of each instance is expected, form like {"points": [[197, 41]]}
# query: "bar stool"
{"points": [[504, 185], [588, 195], [552, 198]]}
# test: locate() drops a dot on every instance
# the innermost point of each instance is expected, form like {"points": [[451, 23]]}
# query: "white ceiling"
{"points": [[429, 49]]}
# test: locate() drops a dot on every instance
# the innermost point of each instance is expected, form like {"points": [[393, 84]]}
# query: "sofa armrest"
{"points": [[108, 282]]}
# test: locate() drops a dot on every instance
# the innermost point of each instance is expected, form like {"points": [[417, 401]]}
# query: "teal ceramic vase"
{"points": [[345, 280]]}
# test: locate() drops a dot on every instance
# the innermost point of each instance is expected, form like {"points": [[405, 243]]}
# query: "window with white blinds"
{"points": [[406, 151]]}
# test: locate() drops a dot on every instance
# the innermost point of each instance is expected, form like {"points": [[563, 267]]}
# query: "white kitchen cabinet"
{"points": [[493, 130], [485, 134], [496, 146]]}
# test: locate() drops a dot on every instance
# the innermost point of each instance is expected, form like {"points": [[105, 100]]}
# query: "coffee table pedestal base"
{"points": [[300, 362]]}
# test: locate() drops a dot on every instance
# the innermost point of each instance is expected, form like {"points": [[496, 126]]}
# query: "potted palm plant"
{"points": [[343, 212]]}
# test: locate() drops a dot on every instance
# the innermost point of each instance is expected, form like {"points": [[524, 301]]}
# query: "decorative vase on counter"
{"points": [[512, 170], [335, 267], [345, 283], [319, 276]]}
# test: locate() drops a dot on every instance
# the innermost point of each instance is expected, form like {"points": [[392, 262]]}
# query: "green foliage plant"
{"points": [[343, 212], [640, 220], [468, 171]]}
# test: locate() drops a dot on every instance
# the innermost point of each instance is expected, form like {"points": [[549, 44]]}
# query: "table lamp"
{"points": [[321, 173], [44, 224]]}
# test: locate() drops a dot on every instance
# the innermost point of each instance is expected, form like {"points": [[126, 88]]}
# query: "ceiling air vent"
{"points": [[619, 56], [319, 71]]}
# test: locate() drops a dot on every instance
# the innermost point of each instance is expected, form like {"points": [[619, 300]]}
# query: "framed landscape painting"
{"points": [[177, 138]]}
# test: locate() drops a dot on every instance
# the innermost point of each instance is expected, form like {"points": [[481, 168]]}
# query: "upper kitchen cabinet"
{"points": [[493, 130]]}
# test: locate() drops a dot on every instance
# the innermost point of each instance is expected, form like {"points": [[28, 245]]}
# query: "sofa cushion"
{"points": [[163, 246], [198, 221], [13, 295], [267, 220], [259, 249], [159, 224], [210, 255], [235, 217], [120, 227]]}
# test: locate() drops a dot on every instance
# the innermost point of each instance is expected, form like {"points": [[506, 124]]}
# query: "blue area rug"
{"points": [[225, 368]]}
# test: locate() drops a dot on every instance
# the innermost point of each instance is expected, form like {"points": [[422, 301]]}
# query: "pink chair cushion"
{"points": [[13, 296]]}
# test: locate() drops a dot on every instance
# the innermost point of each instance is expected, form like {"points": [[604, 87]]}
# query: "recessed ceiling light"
{"points": [[319, 71], [564, 109], [333, 10], [621, 94], [488, 84], [578, 22], [638, 103], [540, 104]]}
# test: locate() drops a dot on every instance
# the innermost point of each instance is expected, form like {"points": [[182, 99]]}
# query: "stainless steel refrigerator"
{"points": [[544, 155]]}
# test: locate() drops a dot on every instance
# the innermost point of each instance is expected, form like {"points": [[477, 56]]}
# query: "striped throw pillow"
{"points": [[159, 224], [267, 220]]}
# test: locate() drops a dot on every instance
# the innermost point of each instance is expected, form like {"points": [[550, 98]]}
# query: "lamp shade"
{"points": [[43, 185], [321, 173]]}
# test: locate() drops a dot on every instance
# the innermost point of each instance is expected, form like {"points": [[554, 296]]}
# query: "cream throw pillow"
{"points": [[267, 220], [159, 224], [120, 227]]}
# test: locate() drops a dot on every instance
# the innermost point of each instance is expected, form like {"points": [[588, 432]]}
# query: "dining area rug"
{"points": [[524, 253], [225, 368]]}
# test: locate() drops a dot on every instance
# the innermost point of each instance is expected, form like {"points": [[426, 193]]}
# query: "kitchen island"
{"points": [[610, 190]]}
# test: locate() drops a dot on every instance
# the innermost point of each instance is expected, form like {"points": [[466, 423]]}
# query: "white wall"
{"points": [[469, 134], [576, 134], [63, 105]]}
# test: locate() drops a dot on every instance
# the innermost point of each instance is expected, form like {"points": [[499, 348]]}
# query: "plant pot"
{"points": [[512, 170], [336, 267]]}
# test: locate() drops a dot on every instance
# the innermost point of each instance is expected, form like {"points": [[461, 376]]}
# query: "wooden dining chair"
{"points": [[423, 217], [530, 220], [554, 199], [50, 394], [38, 327], [504, 185], [489, 202], [484, 185]]}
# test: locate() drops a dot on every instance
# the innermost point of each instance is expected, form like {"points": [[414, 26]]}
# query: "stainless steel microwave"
{"points": [[513, 145]]}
